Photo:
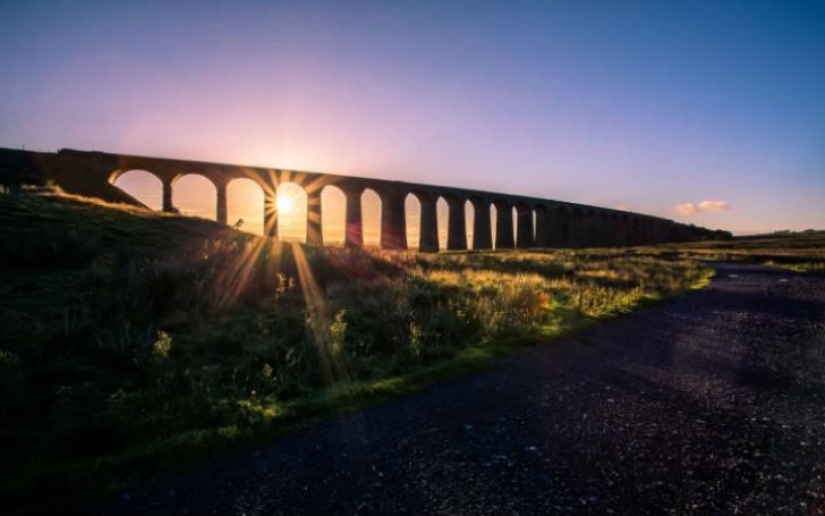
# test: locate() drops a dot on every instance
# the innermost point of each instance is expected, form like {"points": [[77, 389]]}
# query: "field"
{"points": [[800, 252], [132, 342]]}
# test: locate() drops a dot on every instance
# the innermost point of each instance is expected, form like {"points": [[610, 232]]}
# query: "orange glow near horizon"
{"points": [[286, 206], [333, 215], [143, 186], [292, 209], [195, 195], [412, 206], [371, 217], [245, 205]]}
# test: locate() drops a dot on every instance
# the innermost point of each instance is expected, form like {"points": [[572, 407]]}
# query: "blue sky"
{"points": [[706, 112]]}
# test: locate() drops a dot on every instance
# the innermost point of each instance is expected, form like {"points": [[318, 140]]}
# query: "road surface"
{"points": [[710, 404]]}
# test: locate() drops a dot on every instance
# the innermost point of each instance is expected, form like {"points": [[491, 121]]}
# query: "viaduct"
{"points": [[539, 222]]}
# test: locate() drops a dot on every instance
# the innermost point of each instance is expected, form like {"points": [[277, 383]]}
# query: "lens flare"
{"points": [[285, 204]]}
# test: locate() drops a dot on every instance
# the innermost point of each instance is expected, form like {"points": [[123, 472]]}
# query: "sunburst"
{"points": [[285, 204]]}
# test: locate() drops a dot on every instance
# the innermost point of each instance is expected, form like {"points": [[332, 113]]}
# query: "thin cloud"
{"points": [[713, 206], [690, 208]]}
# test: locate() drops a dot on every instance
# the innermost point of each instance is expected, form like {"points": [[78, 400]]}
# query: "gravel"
{"points": [[710, 404]]}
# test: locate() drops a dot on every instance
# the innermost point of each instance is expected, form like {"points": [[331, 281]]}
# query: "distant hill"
{"points": [[785, 233]]}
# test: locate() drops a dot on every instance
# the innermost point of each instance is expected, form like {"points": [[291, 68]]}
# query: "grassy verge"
{"points": [[799, 252], [132, 342]]}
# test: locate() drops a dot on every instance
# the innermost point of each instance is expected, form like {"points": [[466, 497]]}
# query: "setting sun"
{"points": [[285, 204]]}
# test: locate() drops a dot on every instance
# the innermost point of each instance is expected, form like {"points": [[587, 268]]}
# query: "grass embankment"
{"points": [[131, 340], [799, 252]]}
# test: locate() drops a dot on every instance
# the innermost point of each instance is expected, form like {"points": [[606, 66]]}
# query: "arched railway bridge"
{"points": [[539, 222]]}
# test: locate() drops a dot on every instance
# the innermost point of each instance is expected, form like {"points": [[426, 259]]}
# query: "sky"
{"points": [[705, 112]]}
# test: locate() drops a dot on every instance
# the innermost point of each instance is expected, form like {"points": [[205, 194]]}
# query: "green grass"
{"points": [[132, 342], [800, 252]]}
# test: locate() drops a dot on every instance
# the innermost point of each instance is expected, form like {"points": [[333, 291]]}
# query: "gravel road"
{"points": [[710, 404]]}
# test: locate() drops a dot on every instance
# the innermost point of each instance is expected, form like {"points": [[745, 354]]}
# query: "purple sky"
{"points": [[706, 112]]}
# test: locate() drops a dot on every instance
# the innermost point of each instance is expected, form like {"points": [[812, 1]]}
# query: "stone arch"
{"points": [[195, 194], [603, 229], [562, 227], [371, 205], [578, 233], [245, 204], [590, 229], [291, 207], [661, 231], [542, 225], [644, 231], [653, 232], [412, 207], [614, 230], [144, 185], [175, 178], [635, 230], [442, 213], [623, 232], [333, 215]]}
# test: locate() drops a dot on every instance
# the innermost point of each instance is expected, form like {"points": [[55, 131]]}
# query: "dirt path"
{"points": [[711, 404]]}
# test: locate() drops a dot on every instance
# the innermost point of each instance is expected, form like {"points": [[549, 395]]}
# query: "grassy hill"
{"points": [[132, 341]]}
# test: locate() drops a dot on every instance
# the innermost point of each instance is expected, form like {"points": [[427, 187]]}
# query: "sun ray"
{"points": [[285, 204]]}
